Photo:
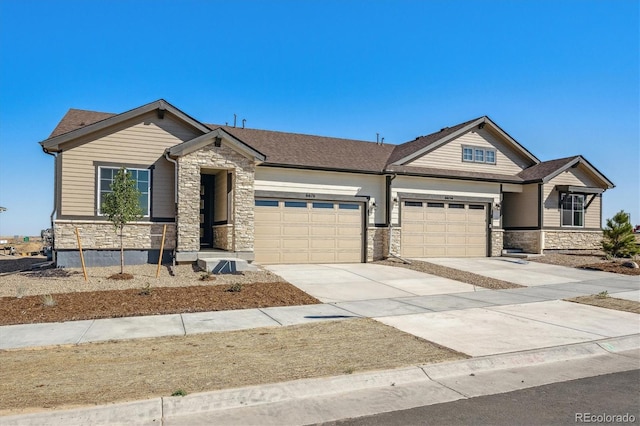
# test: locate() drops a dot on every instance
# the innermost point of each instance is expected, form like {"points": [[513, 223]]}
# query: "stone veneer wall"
{"points": [[396, 234], [527, 240], [223, 237], [572, 240], [215, 158], [377, 243], [102, 235], [497, 241]]}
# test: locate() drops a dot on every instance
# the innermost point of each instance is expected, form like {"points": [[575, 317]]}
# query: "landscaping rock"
{"points": [[631, 264]]}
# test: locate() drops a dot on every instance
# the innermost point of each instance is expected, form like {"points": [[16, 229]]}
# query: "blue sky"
{"points": [[561, 77]]}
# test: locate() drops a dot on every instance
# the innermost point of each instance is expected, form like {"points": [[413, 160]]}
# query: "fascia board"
{"points": [[55, 142]]}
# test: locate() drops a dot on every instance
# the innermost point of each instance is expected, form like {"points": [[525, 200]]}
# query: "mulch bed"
{"points": [[156, 301], [612, 266]]}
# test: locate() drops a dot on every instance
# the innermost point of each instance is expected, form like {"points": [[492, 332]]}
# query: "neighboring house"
{"points": [[272, 197]]}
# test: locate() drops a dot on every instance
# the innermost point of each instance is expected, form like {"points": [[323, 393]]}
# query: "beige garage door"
{"points": [[291, 231], [443, 229]]}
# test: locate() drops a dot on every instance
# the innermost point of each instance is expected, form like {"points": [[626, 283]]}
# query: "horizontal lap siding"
{"points": [[141, 142], [449, 155], [320, 182], [520, 209], [575, 177]]}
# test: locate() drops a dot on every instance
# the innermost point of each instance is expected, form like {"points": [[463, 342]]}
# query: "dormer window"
{"points": [[474, 154]]}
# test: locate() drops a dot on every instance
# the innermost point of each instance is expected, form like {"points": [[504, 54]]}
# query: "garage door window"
{"points": [[344, 206], [322, 205], [476, 207], [413, 203], [436, 205], [302, 204], [456, 206], [266, 203]]}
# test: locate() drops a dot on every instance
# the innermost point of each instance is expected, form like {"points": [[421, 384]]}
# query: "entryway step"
{"points": [[227, 265], [519, 254]]}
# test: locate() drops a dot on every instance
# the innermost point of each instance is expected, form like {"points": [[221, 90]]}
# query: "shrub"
{"points": [[619, 240]]}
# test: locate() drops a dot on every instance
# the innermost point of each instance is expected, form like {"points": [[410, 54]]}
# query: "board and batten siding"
{"points": [[140, 142], [442, 187], [321, 182], [576, 177], [520, 209], [449, 155]]}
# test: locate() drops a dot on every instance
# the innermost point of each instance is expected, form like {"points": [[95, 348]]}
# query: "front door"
{"points": [[207, 188]]}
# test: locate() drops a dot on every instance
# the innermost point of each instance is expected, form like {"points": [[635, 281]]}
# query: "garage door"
{"points": [[434, 229], [297, 231]]}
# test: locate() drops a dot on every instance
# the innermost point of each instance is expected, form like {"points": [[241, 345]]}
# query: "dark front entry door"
{"points": [[207, 188]]}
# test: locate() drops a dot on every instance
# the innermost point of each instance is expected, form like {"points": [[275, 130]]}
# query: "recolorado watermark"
{"points": [[604, 418]]}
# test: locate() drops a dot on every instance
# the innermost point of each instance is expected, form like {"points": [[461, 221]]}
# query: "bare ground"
{"points": [[99, 373]]}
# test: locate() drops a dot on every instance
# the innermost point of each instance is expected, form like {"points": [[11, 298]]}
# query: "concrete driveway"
{"points": [[365, 281], [473, 320]]}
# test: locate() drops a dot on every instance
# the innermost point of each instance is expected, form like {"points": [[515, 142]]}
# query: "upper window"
{"points": [[140, 176], [475, 154], [573, 210]]}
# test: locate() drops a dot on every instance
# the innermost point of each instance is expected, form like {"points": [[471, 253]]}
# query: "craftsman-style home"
{"points": [[274, 197]]}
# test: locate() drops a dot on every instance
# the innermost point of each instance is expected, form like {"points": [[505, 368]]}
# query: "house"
{"points": [[273, 197]]}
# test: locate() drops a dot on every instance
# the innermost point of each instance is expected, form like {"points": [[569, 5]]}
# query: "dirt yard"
{"points": [[99, 373]]}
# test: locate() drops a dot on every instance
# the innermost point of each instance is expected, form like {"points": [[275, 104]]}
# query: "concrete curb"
{"points": [[153, 411]]}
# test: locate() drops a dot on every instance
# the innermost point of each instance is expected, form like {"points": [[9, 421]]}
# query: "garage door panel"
{"points": [[322, 243], [295, 217], [349, 232], [295, 243], [322, 231], [323, 218]]}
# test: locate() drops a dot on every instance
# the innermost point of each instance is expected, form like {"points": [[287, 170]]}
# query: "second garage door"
{"points": [[443, 229], [300, 231]]}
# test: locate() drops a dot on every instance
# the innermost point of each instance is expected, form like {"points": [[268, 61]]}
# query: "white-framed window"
{"points": [[572, 210], [106, 175], [474, 154]]}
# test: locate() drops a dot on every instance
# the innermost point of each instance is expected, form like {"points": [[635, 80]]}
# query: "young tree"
{"points": [[122, 205], [619, 240]]}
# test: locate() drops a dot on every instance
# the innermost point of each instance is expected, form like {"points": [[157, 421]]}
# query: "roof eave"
{"points": [[204, 140], [579, 159]]}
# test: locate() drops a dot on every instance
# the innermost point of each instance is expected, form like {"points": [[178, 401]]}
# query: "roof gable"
{"points": [[422, 145], [78, 123], [209, 138], [547, 170]]}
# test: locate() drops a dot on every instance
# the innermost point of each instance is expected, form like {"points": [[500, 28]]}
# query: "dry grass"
{"points": [[100, 373]]}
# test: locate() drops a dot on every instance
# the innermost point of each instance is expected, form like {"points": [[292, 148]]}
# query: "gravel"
{"points": [[50, 281]]}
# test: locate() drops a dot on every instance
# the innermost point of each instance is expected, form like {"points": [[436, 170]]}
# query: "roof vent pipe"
{"points": [[377, 138], [244, 120], [235, 116]]}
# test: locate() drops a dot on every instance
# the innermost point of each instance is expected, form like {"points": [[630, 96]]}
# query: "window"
{"points": [[456, 206], [322, 205], [295, 204], [473, 154], [476, 207], [266, 203], [140, 176], [413, 203], [573, 210], [467, 153], [436, 205], [344, 206]]}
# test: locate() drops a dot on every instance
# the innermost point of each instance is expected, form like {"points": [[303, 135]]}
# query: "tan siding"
{"points": [[413, 184], [312, 181], [576, 177], [449, 155], [520, 209], [141, 143]]}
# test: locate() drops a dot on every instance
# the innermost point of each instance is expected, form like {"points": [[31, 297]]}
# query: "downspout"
{"points": [[389, 209], [55, 197], [175, 200]]}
